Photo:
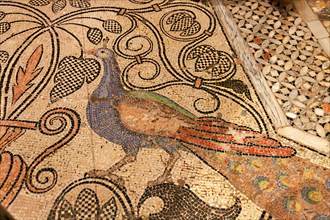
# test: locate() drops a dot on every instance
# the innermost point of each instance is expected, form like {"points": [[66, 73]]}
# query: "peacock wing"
{"points": [[160, 99], [152, 114]]}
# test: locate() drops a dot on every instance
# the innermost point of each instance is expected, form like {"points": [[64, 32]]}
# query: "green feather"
{"points": [[161, 99]]}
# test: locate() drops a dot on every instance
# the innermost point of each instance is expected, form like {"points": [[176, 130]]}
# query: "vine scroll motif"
{"points": [[220, 84], [63, 116], [176, 23], [53, 122], [179, 23], [181, 26]]}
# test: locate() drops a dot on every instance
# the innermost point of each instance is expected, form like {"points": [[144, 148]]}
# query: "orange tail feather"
{"points": [[226, 137]]}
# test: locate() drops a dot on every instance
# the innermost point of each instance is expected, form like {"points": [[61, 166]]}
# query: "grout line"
{"points": [[264, 92]]}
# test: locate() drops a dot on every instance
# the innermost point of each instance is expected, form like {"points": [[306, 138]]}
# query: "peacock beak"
{"points": [[91, 51]]}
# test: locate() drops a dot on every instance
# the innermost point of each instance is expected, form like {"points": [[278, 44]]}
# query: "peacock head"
{"points": [[104, 52]]}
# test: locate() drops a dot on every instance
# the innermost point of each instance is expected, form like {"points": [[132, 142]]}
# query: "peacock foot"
{"points": [[159, 180], [104, 173]]}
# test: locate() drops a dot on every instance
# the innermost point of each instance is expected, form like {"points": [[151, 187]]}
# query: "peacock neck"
{"points": [[110, 84]]}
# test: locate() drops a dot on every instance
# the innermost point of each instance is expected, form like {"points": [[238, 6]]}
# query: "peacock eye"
{"points": [[102, 51]]}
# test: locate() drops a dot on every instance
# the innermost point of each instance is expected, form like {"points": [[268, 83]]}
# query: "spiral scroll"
{"points": [[48, 176], [198, 103]]}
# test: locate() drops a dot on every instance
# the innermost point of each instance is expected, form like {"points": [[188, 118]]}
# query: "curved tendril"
{"points": [[11, 36], [28, 15], [76, 38], [74, 18], [82, 25], [117, 41], [49, 178], [41, 16], [28, 21], [255, 114]]}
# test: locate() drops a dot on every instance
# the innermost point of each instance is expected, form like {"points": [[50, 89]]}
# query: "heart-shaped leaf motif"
{"points": [[80, 3], [182, 24], [197, 51], [94, 35], [39, 2], [207, 60], [58, 6], [4, 27], [72, 75], [4, 55], [177, 16], [193, 29], [225, 64], [112, 26], [2, 15]]}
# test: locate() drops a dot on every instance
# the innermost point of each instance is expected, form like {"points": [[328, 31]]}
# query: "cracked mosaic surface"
{"points": [[141, 109]]}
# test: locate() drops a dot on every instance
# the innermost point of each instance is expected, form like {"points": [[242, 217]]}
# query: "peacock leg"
{"points": [[170, 146], [109, 172], [166, 176]]}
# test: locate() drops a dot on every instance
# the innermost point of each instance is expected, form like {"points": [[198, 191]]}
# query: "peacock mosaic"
{"points": [[140, 109]]}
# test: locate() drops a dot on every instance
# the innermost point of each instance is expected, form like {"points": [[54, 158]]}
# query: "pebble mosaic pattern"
{"points": [[290, 58]]}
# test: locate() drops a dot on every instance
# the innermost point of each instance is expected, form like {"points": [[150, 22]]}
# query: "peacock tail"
{"points": [[288, 188]]}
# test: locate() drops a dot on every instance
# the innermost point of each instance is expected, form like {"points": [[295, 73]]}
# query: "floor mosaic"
{"points": [[291, 59], [141, 109]]}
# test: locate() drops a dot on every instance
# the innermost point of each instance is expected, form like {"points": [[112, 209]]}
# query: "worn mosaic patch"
{"points": [[140, 109]]}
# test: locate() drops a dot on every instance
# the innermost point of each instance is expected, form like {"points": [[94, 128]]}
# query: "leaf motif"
{"points": [[72, 75], [207, 60], [112, 26], [39, 2], [197, 51], [237, 86], [13, 170], [4, 27], [173, 18], [225, 64], [219, 70], [58, 6], [34, 59], [109, 210], [87, 204], [80, 3], [182, 24], [66, 87], [193, 29], [90, 77], [94, 35], [25, 77]]}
